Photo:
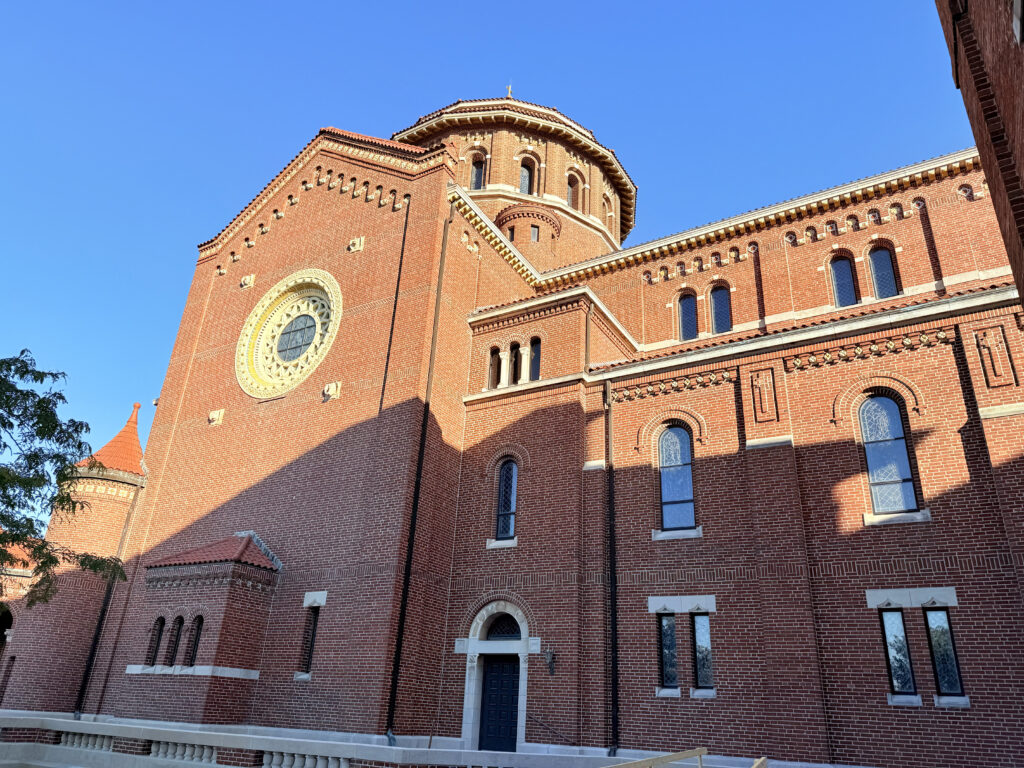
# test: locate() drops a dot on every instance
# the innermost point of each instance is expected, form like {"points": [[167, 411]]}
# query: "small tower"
{"points": [[49, 645]]}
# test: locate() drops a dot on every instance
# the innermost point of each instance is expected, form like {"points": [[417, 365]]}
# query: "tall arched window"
{"points": [[883, 275], [675, 460], [572, 194], [515, 363], [534, 359], [173, 641], [508, 478], [844, 287], [526, 171], [687, 317], [721, 311], [194, 633], [494, 369], [476, 177], [155, 636], [885, 450]]}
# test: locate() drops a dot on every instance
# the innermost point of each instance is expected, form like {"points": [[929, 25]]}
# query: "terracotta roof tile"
{"points": [[124, 451], [233, 549], [374, 140]]}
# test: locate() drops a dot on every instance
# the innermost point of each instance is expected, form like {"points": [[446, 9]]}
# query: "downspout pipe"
{"points": [[396, 661], [613, 578]]}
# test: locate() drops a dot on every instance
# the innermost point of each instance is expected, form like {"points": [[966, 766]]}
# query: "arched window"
{"points": [[476, 176], [572, 194], [194, 633], [504, 627], [844, 287], [687, 317], [675, 460], [646, 277], [896, 211], [832, 228], [698, 264], [173, 641], [883, 275], [790, 238], [663, 274], [526, 171], [716, 259], [852, 223], [534, 359], [734, 253], [811, 234], [874, 216], [494, 369], [721, 311], [155, 636], [508, 478], [966, 192], [515, 363], [885, 450]]}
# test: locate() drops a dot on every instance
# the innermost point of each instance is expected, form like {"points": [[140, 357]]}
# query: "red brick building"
{"points": [[440, 471]]}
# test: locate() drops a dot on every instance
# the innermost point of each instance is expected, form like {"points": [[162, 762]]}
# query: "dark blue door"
{"points": [[499, 708]]}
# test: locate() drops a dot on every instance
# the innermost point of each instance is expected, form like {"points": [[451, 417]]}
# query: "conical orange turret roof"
{"points": [[124, 451]]}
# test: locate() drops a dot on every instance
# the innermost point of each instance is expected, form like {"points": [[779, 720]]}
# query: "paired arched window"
{"points": [[173, 641], [844, 286], [675, 461], [572, 194], [890, 477], [476, 173], [508, 479], [515, 362], [194, 633], [155, 636], [721, 309], [687, 317], [526, 174], [883, 273], [494, 369], [534, 359]]}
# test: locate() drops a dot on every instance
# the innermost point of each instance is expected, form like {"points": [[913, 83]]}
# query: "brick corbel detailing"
{"points": [[248, 758], [127, 746], [29, 735]]}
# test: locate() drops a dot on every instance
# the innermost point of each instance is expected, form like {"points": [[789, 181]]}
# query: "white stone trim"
{"points": [[204, 670], [667, 693], [593, 464], [957, 702], [998, 411], [301, 677], [920, 597], [503, 543], [903, 699], [315, 599], [893, 518], [703, 693], [682, 604], [769, 442], [679, 533]]}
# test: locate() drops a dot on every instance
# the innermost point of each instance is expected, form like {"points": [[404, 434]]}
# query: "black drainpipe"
{"points": [[396, 661], [613, 579]]}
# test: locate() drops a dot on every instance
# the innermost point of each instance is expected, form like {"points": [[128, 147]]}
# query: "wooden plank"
{"points": [[649, 762]]}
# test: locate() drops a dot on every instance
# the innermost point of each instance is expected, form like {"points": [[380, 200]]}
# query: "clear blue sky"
{"points": [[132, 132]]}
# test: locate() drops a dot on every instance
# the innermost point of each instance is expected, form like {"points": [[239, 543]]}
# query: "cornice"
{"points": [[528, 210], [490, 232]]}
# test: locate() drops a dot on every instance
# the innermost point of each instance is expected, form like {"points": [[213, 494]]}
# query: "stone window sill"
{"points": [[903, 699], [959, 702], [703, 693], [503, 543], [920, 516], [667, 693], [302, 677], [682, 533]]}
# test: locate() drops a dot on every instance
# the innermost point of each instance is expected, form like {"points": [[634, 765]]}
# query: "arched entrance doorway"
{"points": [[499, 701]]}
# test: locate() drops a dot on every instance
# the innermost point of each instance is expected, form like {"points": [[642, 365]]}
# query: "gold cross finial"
{"points": [[509, 91]]}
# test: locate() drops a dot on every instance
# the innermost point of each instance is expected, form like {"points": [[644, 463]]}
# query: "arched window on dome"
{"points": [[572, 194], [721, 309], [675, 463], [508, 479], [527, 171], [883, 272], [687, 317], [844, 285], [890, 475], [155, 636], [476, 173]]}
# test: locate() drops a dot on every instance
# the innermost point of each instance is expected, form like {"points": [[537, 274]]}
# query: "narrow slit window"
{"points": [[944, 659], [195, 633], [897, 653], [883, 275], [477, 175], [687, 317], [667, 650], [534, 233], [721, 311], [173, 641], [155, 636], [675, 458], [885, 450], [534, 359], [511, 234], [508, 479], [844, 287], [703, 671], [309, 638]]}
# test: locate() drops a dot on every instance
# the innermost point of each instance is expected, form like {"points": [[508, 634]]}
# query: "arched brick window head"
{"points": [[721, 310], [194, 634], [883, 273], [155, 636], [174, 641], [890, 477], [476, 174], [508, 479], [675, 460], [687, 317], [526, 180], [844, 287]]}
